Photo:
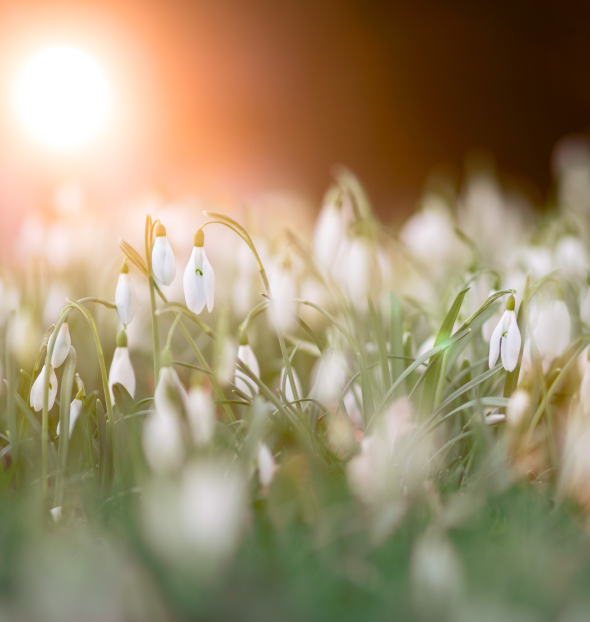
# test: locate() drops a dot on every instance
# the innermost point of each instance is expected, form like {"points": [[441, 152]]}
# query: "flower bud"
{"points": [[125, 295], [61, 349], [121, 369], [163, 262]]}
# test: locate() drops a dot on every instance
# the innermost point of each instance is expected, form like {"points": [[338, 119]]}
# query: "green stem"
{"points": [[150, 275]]}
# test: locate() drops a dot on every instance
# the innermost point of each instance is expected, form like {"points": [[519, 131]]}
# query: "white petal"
{"points": [[193, 282], [209, 281], [122, 372], [201, 416], [163, 262], [242, 381], [61, 349], [266, 465], [495, 342], [585, 390], [36, 398], [511, 344], [75, 409], [328, 234], [162, 442], [125, 298]]}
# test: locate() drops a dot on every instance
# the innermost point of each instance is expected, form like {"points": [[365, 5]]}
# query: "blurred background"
{"points": [[230, 100]]}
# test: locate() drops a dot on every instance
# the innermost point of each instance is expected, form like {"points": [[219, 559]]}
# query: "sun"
{"points": [[62, 98]]}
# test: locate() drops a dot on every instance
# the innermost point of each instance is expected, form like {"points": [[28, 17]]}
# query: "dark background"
{"points": [[242, 97]]}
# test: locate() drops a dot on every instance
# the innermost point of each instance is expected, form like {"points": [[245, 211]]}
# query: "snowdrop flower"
{"points": [[36, 399], [284, 382], [359, 270], [162, 439], [552, 330], [571, 258], [56, 513], [328, 232], [242, 381], [163, 262], [506, 339], [266, 465], [125, 295], [121, 370], [61, 349], [199, 278], [284, 294], [518, 406], [75, 410], [330, 379], [201, 416]]}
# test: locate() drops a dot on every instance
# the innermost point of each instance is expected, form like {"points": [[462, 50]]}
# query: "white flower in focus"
{"points": [[284, 382], [121, 369], [328, 234], [36, 399], [125, 295], [201, 416], [266, 465], [75, 410], [163, 262], [506, 339], [61, 349], [552, 330], [247, 356], [199, 278], [161, 438]]}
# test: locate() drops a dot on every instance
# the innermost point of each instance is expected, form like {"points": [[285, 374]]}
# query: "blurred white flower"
{"points": [[242, 381], [61, 349], [125, 295], [163, 262], [75, 410], [284, 382], [201, 416], [199, 278], [56, 514], [518, 406], [506, 339], [266, 465], [162, 438], [54, 303], [537, 260], [227, 361], [121, 369], [328, 234], [552, 330], [397, 422], [330, 379], [368, 472], [36, 399], [359, 271], [283, 293], [571, 258]]}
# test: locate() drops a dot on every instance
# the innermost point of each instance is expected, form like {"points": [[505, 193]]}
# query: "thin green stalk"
{"points": [[150, 275]]}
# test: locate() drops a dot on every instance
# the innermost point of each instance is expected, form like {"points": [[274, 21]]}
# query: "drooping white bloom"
{"points": [[266, 465], [61, 349], [36, 399], [359, 271], [328, 233], [161, 438], [201, 416], [506, 339], [199, 278], [571, 257], [284, 380], [56, 514], [163, 262], [552, 330], [284, 294], [125, 296], [518, 406], [330, 379], [121, 369], [75, 410], [242, 381]]}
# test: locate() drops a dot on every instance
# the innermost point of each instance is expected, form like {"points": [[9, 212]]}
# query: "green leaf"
{"points": [[367, 390], [381, 347], [123, 399]]}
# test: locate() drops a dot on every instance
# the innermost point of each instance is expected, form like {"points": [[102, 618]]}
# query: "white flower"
{"points": [[518, 406], [506, 339], [328, 234], [56, 514], [163, 262], [36, 399], [266, 465], [75, 409], [552, 330], [571, 258], [284, 294], [199, 278], [125, 296], [242, 381], [61, 349], [330, 379], [161, 434], [201, 416], [121, 369], [359, 271], [284, 380]]}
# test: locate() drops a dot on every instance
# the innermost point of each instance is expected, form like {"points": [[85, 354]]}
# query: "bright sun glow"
{"points": [[62, 97]]}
